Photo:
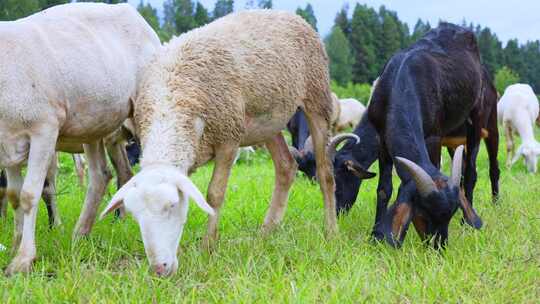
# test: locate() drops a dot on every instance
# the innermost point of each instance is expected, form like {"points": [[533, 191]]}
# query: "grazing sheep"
{"points": [[517, 111], [68, 76], [350, 114], [234, 82]]}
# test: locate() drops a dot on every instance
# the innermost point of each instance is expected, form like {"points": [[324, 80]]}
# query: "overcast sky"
{"points": [[509, 19]]}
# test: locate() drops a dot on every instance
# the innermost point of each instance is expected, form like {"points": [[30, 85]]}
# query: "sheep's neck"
{"points": [[169, 141], [525, 130]]}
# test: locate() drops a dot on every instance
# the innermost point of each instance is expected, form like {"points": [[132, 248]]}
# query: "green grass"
{"points": [[499, 264]]}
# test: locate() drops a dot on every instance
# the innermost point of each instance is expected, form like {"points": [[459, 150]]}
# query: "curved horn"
{"points": [[336, 140], [457, 163], [424, 182]]}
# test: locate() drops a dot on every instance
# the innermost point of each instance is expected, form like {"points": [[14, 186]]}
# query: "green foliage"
{"points": [[364, 28], [340, 55], [222, 8], [295, 263], [342, 20], [505, 77], [184, 19], [201, 15], [15, 9], [360, 91], [149, 14], [267, 4], [308, 14]]}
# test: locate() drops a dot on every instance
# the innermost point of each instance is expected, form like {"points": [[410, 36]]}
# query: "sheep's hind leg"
{"points": [[99, 179], [285, 167], [119, 159], [223, 163]]}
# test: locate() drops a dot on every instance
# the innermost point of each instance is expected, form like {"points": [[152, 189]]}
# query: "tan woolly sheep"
{"points": [[232, 83]]}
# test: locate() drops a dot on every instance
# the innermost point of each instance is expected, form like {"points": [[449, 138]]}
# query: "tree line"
{"points": [[358, 45]]}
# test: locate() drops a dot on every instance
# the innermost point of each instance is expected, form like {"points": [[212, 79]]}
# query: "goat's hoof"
{"points": [[377, 236], [19, 265]]}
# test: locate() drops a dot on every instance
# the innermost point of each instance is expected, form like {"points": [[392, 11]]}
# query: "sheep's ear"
{"points": [[118, 199], [184, 184]]}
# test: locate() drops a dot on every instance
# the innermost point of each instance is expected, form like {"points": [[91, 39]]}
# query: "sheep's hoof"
{"points": [[267, 229], [19, 265]]}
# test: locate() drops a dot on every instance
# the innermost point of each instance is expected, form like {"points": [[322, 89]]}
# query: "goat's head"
{"points": [[157, 198], [348, 172], [434, 204]]}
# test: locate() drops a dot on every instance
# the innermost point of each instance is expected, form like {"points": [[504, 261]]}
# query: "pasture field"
{"points": [[295, 264]]}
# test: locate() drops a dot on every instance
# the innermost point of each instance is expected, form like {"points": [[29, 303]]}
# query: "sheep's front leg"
{"points": [[99, 179], [223, 162], [42, 150], [14, 185], [285, 167], [319, 127]]}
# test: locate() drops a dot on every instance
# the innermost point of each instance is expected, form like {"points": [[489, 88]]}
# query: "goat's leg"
{"points": [[3, 194], [223, 163], [99, 178], [384, 193], [508, 134], [472, 149], [42, 150], [433, 145], [79, 167], [119, 159], [14, 185], [492, 147], [319, 128], [285, 167], [49, 194]]}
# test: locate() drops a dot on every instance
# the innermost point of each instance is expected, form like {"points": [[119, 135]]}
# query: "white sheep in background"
{"points": [[68, 75], [234, 82], [517, 110], [351, 111]]}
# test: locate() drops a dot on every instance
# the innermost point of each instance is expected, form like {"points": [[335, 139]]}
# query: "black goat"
{"points": [[425, 92], [352, 160]]}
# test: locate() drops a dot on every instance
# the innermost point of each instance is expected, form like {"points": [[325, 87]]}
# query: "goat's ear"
{"points": [[469, 214], [420, 225], [401, 214], [184, 184], [358, 170]]}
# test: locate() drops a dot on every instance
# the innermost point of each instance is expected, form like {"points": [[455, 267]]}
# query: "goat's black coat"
{"points": [[299, 129], [424, 92]]}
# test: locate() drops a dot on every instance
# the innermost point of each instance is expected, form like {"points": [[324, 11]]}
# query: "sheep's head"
{"points": [[158, 198], [530, 154]]}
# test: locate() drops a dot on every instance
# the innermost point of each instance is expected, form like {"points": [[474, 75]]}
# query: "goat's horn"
{"points": [[424, 183], [336, 140], [457, 163]]}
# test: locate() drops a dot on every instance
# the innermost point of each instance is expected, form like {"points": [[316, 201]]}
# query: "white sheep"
{"points": [[517, 110], [234, 82], [68, 76], [351, 111]]}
